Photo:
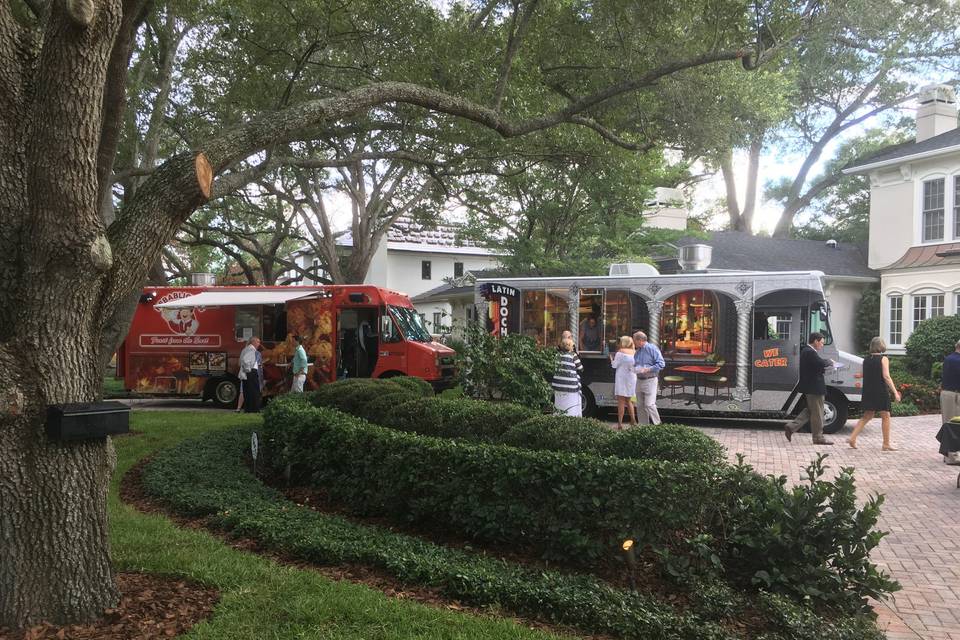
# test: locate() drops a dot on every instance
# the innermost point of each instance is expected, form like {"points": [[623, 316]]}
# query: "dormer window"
{"points": [[933, 205]]}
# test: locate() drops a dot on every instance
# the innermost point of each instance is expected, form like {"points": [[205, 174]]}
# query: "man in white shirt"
{"points": [[250, 375]]}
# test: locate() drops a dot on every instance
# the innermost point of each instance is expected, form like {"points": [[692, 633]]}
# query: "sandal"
{"points": [[889, 448], [853, 445]]}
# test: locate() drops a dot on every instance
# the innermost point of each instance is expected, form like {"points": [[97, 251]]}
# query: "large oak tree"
{"points": [[68, 280]]}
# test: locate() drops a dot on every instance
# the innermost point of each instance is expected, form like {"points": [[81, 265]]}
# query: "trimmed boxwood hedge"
{"points": [[570, 507], [206, 477], [512, 424]]}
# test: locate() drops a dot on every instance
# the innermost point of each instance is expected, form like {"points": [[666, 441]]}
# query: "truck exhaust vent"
{"points": [[695, 257], [203, 279], [633, 269]]}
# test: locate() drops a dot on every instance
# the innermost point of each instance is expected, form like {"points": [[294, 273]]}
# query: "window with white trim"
{"points": [[896, 319], [956, 207], [936, 305], [933, 209], [919, 310]]}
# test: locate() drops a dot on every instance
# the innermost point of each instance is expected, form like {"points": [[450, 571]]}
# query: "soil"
{"points": [[151, 606]]}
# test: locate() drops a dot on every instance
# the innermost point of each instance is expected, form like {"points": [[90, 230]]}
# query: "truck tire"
{"points": [[588, 405], [835, 410], [225, 392]]}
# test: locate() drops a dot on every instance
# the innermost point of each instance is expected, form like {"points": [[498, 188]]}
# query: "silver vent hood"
{"points": [[695, 257]]}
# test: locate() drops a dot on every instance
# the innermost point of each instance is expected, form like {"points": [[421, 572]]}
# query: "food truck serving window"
{"points": [[247, 323], [687, 323]]}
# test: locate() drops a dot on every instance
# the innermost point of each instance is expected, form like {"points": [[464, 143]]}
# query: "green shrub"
{"points": [[446, 418], [930, 342], [914, 389], [417, 385], [569, 507], [206, 477], [672, 442], [810, 542], [559, 433], [511, 368], [902, 409], [867, 320]]}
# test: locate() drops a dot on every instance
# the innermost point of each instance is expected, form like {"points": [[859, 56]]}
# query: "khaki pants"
{"points": [[814, 413], [949, 404], [647, 401]]}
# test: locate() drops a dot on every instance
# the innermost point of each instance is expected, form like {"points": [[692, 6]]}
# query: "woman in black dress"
{"points": [[875, 399]]}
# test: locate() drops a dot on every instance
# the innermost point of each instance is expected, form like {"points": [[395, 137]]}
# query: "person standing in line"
{"points": [[299, 366], [875, 399], [648, 362], [566, 381], [950, 383], [814, 390], [625, 381], [250, 374]]}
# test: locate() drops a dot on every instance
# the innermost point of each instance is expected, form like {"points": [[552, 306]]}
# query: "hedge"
{"points": [[205, 477], [569, 507], [515, 425]]}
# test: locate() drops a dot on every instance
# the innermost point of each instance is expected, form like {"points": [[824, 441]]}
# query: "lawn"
{"points": [[259, 598]]}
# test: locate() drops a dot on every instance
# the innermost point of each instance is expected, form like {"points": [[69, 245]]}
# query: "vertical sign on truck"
{"points": [[503, 317]]}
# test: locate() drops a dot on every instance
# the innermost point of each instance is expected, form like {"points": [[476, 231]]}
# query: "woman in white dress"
{"points": [[625, 382]]}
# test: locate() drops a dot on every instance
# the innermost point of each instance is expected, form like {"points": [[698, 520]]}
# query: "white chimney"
{"points": [[938, 111]]}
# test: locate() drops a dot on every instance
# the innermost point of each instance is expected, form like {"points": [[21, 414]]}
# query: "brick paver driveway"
{"points": [[921, 511]]}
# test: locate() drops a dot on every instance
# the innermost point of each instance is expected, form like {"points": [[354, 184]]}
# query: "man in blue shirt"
{"points": [[647, 361], [950, 382]]}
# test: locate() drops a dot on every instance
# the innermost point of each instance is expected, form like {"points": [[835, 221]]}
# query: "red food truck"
{"points": [[186, 341]]}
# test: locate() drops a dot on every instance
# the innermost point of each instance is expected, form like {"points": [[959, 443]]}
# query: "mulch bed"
{"points": [[151, 607]]}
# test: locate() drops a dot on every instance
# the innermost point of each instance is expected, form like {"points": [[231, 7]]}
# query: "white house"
{"points": [[915, 219], [415, 259]]}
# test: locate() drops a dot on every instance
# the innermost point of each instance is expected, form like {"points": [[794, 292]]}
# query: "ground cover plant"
{"points": [[259, 597], [207, 476], [707, 521]]}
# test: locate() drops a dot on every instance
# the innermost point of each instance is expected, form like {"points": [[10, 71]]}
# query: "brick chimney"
{"points": [[938, 111]]}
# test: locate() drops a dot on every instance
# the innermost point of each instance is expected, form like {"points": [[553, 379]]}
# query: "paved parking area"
{"points": [[921, 511]]}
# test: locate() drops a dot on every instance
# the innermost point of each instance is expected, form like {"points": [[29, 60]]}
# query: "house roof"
{"points": [[739, 250], [460, 287], [407, 235], [928, 256], [946, 142]]}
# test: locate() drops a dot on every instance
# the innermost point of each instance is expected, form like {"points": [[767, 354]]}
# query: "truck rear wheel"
{"points": [[225, 393]]}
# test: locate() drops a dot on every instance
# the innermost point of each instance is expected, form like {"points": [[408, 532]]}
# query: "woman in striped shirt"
{"points": [[566, 381]]}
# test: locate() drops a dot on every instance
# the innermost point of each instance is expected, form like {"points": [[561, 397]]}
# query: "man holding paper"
{"points": [[814, 389]]}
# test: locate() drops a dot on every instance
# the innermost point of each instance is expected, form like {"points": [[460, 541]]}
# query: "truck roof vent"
{"points": [[203, 279], [695, 257], [832, 243], [633, 269]]}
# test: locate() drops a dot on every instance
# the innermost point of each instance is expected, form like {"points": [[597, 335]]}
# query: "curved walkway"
{"points": [[921, 511]]}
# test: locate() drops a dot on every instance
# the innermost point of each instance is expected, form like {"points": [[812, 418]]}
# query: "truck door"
{"points": [[393, 348], [777, 336], [357, 351]]}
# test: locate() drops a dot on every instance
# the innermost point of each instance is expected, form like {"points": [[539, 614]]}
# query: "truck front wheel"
{"points": [[835, 411]]}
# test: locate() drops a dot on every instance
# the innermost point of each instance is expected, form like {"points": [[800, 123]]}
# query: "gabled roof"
{"points": [[946, 142], [739, 250]]}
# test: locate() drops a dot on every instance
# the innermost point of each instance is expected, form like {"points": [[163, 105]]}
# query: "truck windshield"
{"points": [[410, 323], [819, 321]]}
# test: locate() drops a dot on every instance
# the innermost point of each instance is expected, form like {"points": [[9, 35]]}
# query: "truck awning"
{"points": [[237, 298]]}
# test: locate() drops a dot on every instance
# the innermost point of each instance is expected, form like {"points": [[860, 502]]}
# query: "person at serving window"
{"points": [[648, 362], [590, 338], [625, 380]]}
